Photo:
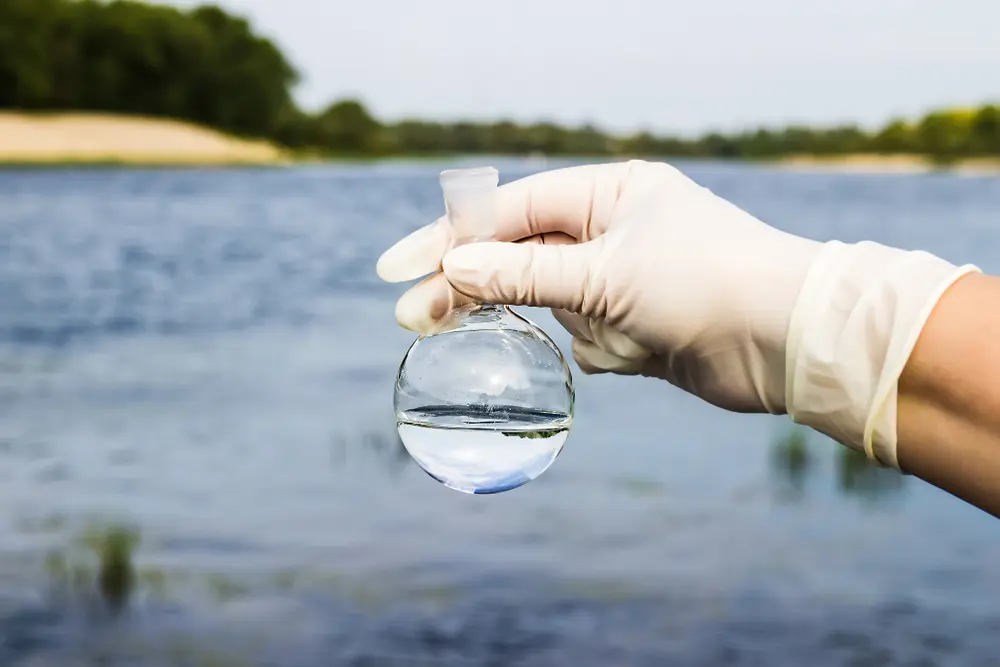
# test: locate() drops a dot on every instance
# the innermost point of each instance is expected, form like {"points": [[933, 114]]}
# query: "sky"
{"points": [[666, 66]]}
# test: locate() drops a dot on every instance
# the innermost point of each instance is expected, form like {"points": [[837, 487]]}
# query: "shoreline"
{"points": [[53, 140], [863, 163], [845, 164]]}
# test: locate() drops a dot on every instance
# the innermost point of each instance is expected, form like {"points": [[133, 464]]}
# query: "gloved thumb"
{"points": [[522, 274]]}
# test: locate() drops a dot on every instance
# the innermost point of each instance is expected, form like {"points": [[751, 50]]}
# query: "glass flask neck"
{"points": [[488, 312], [492, 308]]}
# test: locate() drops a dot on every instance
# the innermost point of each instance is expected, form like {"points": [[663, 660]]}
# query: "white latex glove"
{"points": [[653, 274]]}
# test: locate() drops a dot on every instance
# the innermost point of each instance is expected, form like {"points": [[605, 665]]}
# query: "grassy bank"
{"points": [[96, 139]]}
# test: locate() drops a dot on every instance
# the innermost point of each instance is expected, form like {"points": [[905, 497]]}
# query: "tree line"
{"points": [[209, 66]]}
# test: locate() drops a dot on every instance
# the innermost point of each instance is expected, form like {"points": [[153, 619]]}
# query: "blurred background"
{"points": [[198, 458]]}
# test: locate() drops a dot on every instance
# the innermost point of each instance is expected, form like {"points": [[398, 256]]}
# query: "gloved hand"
{"points": [[653, 274]]}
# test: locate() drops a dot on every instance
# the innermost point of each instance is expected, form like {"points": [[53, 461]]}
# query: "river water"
{"points": [[199, 465]]}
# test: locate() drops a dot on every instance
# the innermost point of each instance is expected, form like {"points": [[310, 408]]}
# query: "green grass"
{"points": [[534, 435]]}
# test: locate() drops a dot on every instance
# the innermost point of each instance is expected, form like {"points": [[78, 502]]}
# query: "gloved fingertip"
{"points": [[416, 255], [592, 359], [587, 369], [427, 304], [388, 269], [411, 315]]}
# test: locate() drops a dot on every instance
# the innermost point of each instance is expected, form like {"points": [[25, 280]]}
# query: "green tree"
{"points": [[297, 129], [347, 127], [246, 77], [504, 137], [985, 131], [588, 140], [896, 137], [26, 38], [417, 137], [718, 145], [943, 136], [126, 56]]}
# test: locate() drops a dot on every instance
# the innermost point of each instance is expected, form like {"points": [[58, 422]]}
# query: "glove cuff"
{"points": [[855, 322]]}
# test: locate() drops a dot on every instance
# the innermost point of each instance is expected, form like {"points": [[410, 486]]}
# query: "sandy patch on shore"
{"points": [[887, 164], [91, 138]]}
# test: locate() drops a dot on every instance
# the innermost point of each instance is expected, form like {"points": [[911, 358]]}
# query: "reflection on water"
{"points": [[792, 462], [798, 467], [857, 476], [99, 565]]}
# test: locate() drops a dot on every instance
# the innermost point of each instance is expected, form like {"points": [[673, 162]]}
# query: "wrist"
{"points": [[784, 268], [852, 330]]}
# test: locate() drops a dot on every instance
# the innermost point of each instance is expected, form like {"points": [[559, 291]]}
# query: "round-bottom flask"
{"points": [[486, 404]]}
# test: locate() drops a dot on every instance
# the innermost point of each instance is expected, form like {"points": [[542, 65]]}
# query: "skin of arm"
{"points": [[948, 419]]}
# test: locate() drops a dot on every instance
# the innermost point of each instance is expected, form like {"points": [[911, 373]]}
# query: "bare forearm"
{"points": [[948, 421]]}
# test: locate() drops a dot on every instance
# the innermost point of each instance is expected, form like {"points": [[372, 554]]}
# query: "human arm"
{"points": [[949, 396], [655, 275]]}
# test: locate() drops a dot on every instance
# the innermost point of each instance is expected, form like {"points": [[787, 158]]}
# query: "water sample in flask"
{"points": [[484, 404]]}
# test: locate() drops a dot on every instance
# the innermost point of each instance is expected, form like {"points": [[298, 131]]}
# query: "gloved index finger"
{"points": [[573, 200]]}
